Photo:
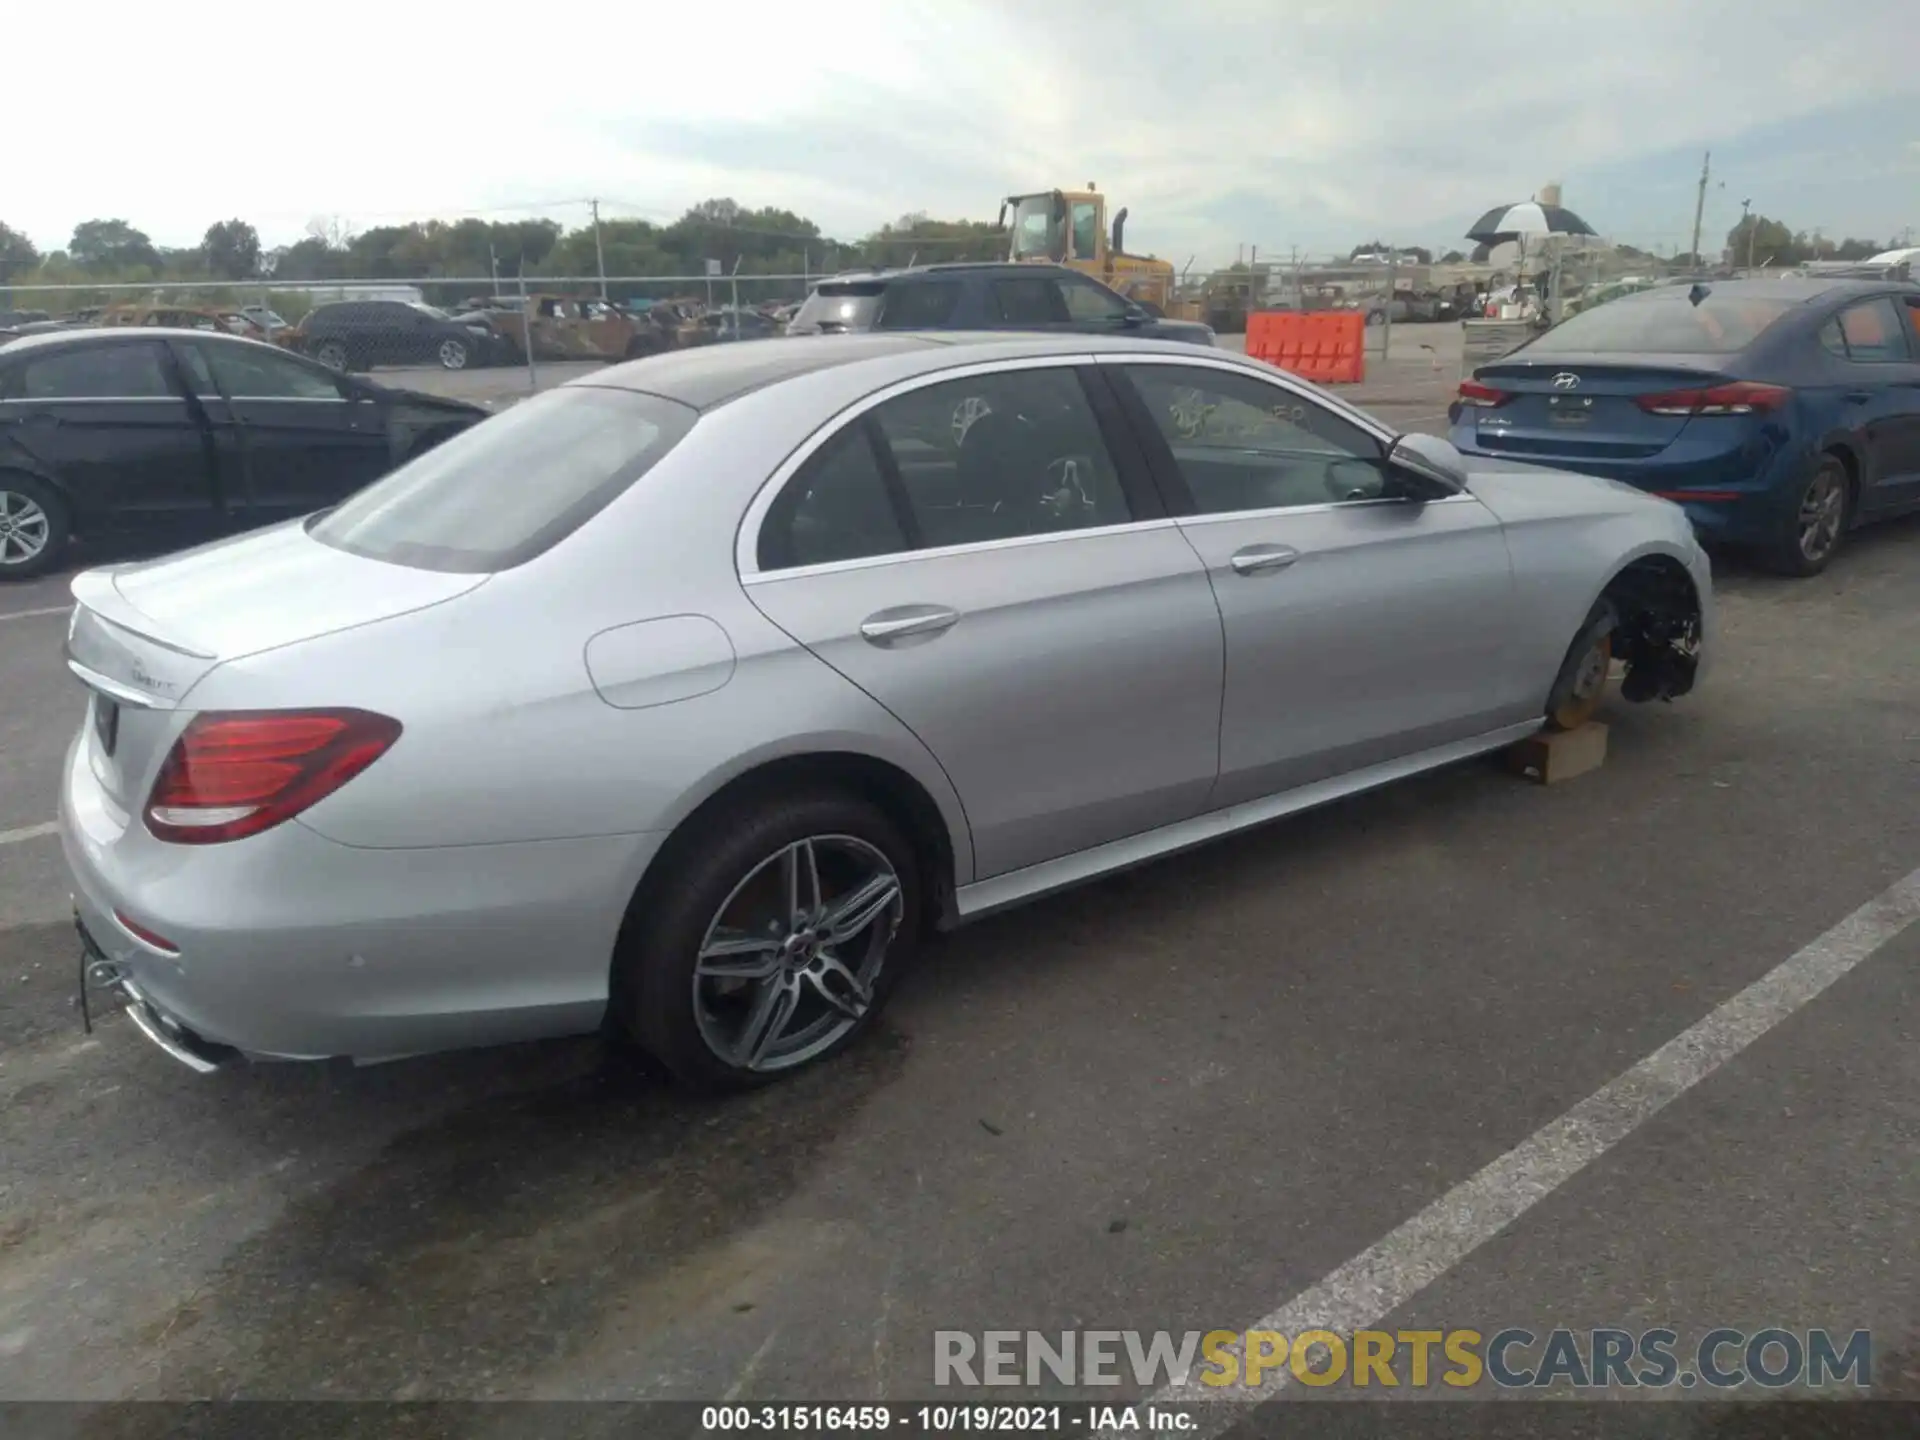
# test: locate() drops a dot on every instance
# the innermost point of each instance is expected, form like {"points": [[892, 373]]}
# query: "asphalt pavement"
{"points": [[1209, 1093]]}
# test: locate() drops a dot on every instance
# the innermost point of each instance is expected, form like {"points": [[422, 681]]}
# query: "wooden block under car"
{"points": [[1553, 756]]}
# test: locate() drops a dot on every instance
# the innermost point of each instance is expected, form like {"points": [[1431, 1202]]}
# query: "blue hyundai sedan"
{"points": [[1780, 413]]}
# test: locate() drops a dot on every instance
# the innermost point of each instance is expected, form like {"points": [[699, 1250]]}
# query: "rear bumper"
{"points": [[1734, 498], [288, 945]]}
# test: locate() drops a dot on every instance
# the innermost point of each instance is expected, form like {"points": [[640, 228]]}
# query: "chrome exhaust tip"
{"points": [[203, 1057]]}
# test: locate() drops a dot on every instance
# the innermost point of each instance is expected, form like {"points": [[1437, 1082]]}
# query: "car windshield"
{"points": [[501, 493], [434, 310], [1666, 322]]}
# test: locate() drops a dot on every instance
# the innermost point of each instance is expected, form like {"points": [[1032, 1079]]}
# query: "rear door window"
{"points": [[502, 492], [1874, 332], [133, 370], [998, 456], [838, 507], [920, 305]]}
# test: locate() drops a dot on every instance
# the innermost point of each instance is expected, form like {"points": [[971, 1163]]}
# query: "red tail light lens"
{"points": [[1744, 397], [1472, 392], [235, 773]]}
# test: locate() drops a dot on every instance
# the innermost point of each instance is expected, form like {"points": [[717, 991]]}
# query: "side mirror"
{"points": [[1426, 468], [1134, 315]]}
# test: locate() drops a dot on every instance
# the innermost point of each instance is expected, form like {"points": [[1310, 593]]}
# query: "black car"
{"points": [[1047, 298], [359, 334], [156, 434]]}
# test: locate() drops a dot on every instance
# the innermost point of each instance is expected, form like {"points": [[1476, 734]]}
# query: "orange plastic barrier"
{"points": [[1327, 347]]}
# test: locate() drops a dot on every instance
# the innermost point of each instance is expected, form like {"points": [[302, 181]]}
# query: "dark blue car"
{"points": [[1779, 413]]}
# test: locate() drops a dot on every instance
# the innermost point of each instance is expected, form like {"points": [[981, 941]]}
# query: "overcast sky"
{"points": [[1220, 123]]}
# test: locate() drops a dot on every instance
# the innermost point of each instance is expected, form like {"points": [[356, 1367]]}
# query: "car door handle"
{"points": [[1858, 397], [885, 626], [1256, 559]]}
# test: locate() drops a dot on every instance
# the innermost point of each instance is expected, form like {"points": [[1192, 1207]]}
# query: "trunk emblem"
{"points": [[1566, 380]]}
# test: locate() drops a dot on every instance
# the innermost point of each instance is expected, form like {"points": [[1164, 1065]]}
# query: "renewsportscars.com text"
{"points": [[1511, 1358]]}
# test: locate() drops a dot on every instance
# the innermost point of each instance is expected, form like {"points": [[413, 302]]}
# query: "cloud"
{"points": [[1219, 123]]}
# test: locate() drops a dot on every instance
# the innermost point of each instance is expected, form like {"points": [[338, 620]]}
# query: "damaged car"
{"points": [[564, 327], [695, 691]]}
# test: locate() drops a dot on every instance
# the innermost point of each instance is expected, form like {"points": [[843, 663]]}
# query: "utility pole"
{"points": [[1746, 219], [599, 255], [1700, 207], [1386, 316]]}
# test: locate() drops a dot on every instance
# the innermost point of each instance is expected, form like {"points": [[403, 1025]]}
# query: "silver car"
{"points": [[687, 697]]}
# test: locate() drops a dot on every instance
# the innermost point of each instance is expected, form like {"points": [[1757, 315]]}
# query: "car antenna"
{"points": [[1698, 293]]}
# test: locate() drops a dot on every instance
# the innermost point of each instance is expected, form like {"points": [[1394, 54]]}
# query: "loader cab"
{"points": [[1039, 227], [1067, 227]]}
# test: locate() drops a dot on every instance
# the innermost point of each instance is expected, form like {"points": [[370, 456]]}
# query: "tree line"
{"points": [[764, 241], [1760, 240]]}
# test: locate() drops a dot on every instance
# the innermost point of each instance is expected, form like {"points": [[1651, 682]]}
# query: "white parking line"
{"points": [[1379, 1280], [31, 832], [29, 614]]}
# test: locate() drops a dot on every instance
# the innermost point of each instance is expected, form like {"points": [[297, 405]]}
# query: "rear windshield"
{"points": [[1665, 322], [840, 305], [499, 494]]}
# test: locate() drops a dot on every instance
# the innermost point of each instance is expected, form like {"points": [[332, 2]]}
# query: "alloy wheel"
{"points": [[334, 357], [1822, 510], [453, 355], [24, 528], [788, 964]]}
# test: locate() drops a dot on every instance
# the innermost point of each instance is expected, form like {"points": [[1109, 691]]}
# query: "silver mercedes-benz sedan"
{"points": [[686, 697]]}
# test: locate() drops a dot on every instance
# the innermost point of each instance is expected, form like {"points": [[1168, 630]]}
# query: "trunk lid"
{"points": [[143, 635], [1573, 408]]}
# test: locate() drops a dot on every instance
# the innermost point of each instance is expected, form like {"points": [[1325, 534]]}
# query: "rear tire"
{"points": [[35, 527], [333, 355], [715, 882], [1582, 682], [1817, 526], [453, 354]]}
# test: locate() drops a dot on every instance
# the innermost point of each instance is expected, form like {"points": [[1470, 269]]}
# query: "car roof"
{"points": [[61, 339], [1800, 287], [711, 375], [1022, 268]]}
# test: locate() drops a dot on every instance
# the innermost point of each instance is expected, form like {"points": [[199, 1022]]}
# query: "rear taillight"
{"points": [[1744, 397], [1472, 392], [236, 773]]}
